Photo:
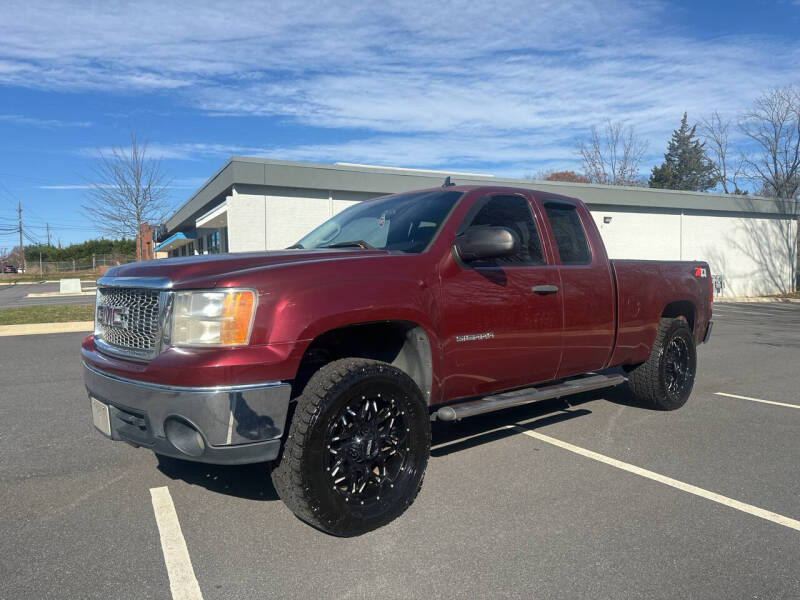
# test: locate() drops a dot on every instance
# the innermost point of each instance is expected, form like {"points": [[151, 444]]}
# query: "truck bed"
{"points": [[644, 289]]}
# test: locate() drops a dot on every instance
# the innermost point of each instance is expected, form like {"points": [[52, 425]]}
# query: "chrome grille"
{"points": [[127, 319]]}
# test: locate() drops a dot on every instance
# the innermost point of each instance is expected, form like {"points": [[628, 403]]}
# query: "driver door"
{"points": [[501, 321]]}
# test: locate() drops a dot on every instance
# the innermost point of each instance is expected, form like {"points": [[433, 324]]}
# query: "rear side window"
{"points": [[514, 213], [568, 231]]}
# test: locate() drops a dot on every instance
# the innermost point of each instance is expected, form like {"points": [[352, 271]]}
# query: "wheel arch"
{"points": [[404, 344], [680, 308]]}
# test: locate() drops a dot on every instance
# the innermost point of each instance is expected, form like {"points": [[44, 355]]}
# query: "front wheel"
{"points": [[357, 447], [664, 381]]}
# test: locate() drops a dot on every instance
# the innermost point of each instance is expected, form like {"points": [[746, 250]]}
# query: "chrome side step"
{"points": [[487, 404]]}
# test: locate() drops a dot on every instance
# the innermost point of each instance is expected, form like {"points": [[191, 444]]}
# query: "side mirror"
{"points": [[481, 243]]}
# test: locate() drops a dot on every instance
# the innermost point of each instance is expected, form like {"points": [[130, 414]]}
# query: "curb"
{"points": [[61, 294], [44, 328], [2, 283], [755, 300]]}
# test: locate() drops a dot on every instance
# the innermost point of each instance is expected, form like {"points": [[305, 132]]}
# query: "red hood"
{"points": [[208, 270]]}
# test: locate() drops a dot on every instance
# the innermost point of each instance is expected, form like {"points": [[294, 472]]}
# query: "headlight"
{"points": [[218, 318]]}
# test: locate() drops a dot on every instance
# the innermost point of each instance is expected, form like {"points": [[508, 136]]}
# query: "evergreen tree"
{"points": [[81, 251], [685, 165]]}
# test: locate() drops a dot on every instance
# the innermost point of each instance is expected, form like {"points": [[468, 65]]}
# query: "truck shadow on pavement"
{"points": [[252, 482], [448, 438], [451, 437]]}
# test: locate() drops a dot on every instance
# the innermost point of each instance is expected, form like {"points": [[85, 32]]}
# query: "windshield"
{"points": [[404, 222]]}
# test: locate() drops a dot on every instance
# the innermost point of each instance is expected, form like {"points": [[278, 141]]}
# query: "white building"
{"points": [[255, 204]]}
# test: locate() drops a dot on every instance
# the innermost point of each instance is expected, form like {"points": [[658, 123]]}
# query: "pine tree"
{"points": [[685, 165]]}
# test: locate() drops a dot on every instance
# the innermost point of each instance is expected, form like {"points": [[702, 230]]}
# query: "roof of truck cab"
{"points": [[495, 189]]}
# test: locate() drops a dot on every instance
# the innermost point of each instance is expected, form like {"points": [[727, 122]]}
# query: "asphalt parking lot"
{"points": [[29, 294], [601, 500]]}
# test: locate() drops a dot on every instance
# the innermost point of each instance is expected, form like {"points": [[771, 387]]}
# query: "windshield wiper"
{"points": [[296, 247], [354, 244]]}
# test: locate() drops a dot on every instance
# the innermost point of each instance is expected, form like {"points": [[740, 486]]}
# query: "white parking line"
{"points": [[182, 581], [757, 400], [686, 487]]}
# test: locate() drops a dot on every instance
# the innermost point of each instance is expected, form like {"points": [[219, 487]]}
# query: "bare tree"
{"points": [[128, 189], [773, 165], [715, 133], [612, 156], [552, 175]]}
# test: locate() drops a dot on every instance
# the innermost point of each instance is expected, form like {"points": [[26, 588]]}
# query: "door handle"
{"points": [[545, 289]]}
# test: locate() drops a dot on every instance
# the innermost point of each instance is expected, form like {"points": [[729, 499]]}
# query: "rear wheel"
{"points": [[664, 381], [357, 448]]}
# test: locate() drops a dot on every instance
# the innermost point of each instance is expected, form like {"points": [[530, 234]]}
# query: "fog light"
{"points": [[184, 437]]}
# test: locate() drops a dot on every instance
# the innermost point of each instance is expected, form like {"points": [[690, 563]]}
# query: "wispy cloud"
{"points": [[405, 82], [66, 186], [182, 183], [25, 120]]}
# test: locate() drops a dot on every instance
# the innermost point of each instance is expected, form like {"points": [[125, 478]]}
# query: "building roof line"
{"points": [[248, 170]]}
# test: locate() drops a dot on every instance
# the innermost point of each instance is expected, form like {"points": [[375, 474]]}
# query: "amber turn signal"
{"points": [[237, 313]]}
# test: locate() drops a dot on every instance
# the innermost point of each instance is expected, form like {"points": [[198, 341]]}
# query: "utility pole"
{"points": [[48, 235], [21, 247]]}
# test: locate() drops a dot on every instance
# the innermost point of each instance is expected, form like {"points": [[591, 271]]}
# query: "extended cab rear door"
{"points": [[501, 320], [587, 285]]}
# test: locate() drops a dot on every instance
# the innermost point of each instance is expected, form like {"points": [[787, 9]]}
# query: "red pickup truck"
{"points": [[331, 358]]}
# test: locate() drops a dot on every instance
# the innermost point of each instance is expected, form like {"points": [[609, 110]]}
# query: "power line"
{"points": [[58, 226], [31, 239], [9, 194]]}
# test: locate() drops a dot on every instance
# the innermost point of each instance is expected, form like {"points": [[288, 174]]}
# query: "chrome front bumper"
{"points": [[223, 425]]}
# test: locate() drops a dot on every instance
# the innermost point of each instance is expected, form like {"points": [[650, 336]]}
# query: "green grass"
{"points": [[46, 314], [28, 277]]}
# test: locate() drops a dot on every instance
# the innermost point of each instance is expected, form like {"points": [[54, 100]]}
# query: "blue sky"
{"points": [[503, 88]]}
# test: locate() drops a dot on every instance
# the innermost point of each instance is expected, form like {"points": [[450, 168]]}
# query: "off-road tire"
{"points": [[650, 381], [299, 474]]}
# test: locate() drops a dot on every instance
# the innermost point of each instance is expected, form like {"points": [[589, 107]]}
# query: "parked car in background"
{"points": [[9, 269], [330, 359]]}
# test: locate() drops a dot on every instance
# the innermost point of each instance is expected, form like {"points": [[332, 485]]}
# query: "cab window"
{"points": [[513, 212], [568, 231]]}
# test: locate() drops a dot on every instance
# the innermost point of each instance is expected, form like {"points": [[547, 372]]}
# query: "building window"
{"points": [[212, 243], [190, 249], [200, 241]]}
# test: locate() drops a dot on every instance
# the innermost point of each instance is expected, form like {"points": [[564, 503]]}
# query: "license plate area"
{"points": [[101, 416]]}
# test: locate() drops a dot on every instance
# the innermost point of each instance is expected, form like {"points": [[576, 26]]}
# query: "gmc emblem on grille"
{"points": [[113, 316]]}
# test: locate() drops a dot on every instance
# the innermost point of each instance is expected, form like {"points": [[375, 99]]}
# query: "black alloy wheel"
{"points": [[665, 380], [678, 375], [357, 448], [366, 447]]}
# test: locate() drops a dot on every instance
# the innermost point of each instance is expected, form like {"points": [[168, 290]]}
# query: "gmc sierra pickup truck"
{"points": [[331, 358]]}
